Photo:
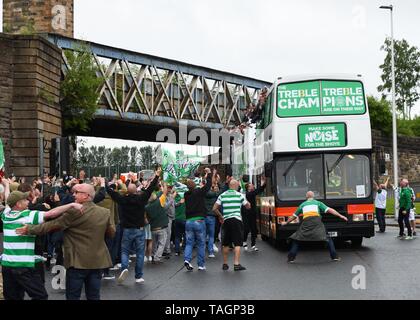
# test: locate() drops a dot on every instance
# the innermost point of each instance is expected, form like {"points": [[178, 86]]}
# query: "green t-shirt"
{"points": [[311, 208], [19, 251], [231, 202]]}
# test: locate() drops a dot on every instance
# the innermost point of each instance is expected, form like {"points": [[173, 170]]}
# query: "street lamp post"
{"points": [[394, 116]]}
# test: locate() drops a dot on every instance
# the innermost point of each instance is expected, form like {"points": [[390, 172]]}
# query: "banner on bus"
{"points": [[315, 98], [322, 135]]}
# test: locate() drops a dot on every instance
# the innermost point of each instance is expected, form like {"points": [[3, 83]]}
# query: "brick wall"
{"points": [[31, 80], [6, 92], [408, 155], [54, 16]]}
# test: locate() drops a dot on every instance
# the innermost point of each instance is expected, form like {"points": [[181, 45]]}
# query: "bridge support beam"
{"points": [[30, 71]]}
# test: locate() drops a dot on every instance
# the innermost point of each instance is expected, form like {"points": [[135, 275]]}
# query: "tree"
{"points": [[380, 115], [82, 157], [114, 157], [125, 157], [407, 74], [146, 157], [78, 91], [134, 157]]}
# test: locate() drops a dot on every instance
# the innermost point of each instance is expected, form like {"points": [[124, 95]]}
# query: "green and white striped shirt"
{"points": [[19, 251], [231, 202]]}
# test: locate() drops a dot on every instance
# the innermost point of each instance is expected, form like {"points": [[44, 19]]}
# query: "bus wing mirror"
{"points": [[268, 168]]}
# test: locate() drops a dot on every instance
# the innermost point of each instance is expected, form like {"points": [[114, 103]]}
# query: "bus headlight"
{"points": [[358, 217]]}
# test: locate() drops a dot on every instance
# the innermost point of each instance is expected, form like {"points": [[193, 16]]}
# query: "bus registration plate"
{"points": [[333, 234]]}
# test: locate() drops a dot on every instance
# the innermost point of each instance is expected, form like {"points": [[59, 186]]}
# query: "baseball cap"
{"points": [[16, 196]]}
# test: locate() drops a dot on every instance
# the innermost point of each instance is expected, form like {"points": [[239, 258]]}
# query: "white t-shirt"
{"points": [[380, 200]]}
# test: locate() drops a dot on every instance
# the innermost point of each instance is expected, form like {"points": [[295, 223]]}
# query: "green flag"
{"points": [[176, 166]]}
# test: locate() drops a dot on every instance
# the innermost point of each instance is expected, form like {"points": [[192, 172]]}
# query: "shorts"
{"points": [[412, 216], [232, 232], [147, 232]]}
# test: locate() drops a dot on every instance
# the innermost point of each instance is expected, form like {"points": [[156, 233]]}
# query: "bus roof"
{"points": [[315, 76]]}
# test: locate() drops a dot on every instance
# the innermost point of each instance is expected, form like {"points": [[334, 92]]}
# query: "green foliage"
{"points": [[415, 126], [121, 159], [28, 29], [7, 28], [407, 75], [146, 157], [79, 93], [380, 115]]}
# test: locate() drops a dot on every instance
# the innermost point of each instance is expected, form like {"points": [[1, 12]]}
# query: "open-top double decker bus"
{"points": [[314, 134]]}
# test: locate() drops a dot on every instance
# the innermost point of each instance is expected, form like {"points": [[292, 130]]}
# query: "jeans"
{"points": [[109, 241], [91, 278], [179, 234], [295, 248], [210, 227], [116, 245], [17, 281], [195, 232], [380, 216], [133, 237], [159, 241], [55, 243], [405, 218], [167, 249]]}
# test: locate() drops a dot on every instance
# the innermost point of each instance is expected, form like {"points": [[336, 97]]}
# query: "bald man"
{"points": [[131, 210], [312, 227], [85, 251], [231, 201]]}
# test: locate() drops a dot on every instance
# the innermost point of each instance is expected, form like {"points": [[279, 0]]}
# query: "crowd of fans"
{"points": [[145, 221]]}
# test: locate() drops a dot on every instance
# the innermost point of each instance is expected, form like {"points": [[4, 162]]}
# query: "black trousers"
{"points": [[380, 216], [217, 230], [17, 281], [405, 218], [249, 219]]}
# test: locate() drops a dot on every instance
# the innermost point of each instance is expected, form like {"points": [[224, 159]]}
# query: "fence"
{"points": [[109, 171]]}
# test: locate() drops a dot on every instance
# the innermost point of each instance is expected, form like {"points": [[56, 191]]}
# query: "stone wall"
{"points": [[54, 16], [408, 155], [30, 79]]}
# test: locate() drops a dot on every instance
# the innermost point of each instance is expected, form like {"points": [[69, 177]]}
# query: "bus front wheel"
{"points": [[356, 242]]}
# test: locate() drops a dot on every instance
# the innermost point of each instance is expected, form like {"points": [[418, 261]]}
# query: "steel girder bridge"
{"points": [[156, 92]]}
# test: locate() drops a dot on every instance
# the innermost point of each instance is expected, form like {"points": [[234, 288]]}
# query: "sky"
{"points": [[260, 39]]}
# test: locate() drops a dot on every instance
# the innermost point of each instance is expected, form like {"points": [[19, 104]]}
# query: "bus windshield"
{"points": [[329, 176]]}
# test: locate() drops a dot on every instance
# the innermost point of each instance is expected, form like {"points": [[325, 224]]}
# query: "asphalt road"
{"points": [[391, 272]]}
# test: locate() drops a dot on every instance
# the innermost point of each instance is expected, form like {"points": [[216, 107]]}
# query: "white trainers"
{"points": [[140, 280], [108, 277], [254, 248], [408, 238], [188, 265], [212, 256], [215, 248], [202, 268], [123, 276], [150, 259], [146, 259], [245, 246]]}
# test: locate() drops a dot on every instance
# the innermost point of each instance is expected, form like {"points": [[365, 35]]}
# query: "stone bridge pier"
{"points": [[30, 72]]}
